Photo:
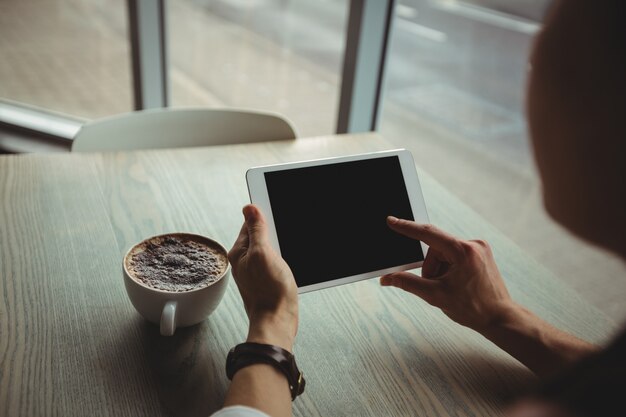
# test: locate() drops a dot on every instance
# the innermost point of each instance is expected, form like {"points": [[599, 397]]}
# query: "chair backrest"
{"points": [[173, 128]]}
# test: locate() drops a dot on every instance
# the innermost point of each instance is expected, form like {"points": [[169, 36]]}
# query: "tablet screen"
{"points": [[331, 219]]}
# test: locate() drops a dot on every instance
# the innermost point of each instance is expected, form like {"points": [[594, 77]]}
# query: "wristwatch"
{"points": [[249, 353]]}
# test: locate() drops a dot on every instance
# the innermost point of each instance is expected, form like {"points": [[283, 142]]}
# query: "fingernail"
{"points": [[392, 219], [385, 281], [247, 212]]}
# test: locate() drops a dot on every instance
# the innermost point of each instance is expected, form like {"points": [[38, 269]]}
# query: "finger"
{"points": [[447, 245], [434, 265], [240, 246], [257, 228], [422, 287]]}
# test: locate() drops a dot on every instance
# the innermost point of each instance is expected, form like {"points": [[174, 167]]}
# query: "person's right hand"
{"points": [[458, 276], [265, 282]]}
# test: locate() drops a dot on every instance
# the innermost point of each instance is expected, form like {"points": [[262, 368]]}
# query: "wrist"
{"points": [[505, 315], [273, 329]]}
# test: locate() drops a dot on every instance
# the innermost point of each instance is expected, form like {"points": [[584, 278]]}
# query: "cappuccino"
{"points": [[176, 263]]}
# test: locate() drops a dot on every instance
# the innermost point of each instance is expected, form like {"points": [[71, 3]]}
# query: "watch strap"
{"points": [[250, 353]]}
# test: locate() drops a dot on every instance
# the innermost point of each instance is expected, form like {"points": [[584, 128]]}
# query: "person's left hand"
{"points": [[265, 282]]}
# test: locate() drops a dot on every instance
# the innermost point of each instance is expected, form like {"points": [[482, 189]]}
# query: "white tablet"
{"points": [[327, 217]]}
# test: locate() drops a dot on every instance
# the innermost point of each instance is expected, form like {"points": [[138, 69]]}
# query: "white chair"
{"points": [[173, 128]]}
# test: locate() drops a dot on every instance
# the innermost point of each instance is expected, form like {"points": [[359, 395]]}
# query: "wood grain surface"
{"points": [[71, 343]]}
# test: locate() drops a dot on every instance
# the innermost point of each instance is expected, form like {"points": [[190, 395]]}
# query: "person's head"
{"points": [[577, 118]]}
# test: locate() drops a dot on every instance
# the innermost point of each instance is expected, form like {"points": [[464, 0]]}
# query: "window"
{"points": [[71, 56], [282, 56], [459, 67]]}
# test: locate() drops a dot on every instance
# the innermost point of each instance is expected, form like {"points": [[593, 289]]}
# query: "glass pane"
{"points": [[70, 56], [460, 67], [282, 56], [454, 95]]}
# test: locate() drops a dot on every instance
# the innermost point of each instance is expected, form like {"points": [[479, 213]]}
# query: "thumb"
{"points": [[422, 287], [255, 222]]}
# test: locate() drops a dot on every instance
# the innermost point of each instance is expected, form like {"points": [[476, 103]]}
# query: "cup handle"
{"points": [[168, 318]]}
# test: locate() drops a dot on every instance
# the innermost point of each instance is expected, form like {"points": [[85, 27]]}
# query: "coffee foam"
{"points": [[176, 263]]}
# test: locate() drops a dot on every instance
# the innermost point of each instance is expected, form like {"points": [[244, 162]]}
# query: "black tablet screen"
{"points": [[331, 219]]}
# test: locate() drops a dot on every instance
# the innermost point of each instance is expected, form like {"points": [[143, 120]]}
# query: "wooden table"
{"points": [[71, 343]]}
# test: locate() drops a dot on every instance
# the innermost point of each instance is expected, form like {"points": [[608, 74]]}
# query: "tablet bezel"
{"points": [[257, 189]]}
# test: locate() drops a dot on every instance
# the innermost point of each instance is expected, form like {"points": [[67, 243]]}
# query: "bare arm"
{"points": [[543, 348], [270, 297], [534, 408], [461, 278]]}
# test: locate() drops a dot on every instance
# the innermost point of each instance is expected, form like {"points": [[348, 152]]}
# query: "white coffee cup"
{"points": [[170, 309]]}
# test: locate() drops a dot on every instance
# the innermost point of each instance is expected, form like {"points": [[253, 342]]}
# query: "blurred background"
{"points": [[453, 90]]}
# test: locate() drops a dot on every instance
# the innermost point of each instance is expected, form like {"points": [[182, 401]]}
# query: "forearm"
{"points": [[543, 348], [262, 387]]}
